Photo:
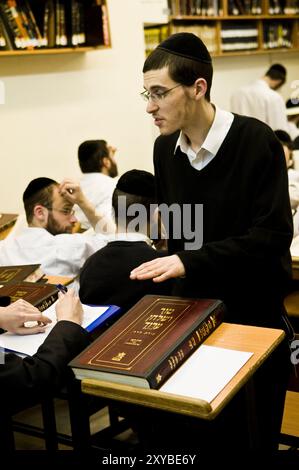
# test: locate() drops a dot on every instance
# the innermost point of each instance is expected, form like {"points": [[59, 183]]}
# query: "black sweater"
{"points": [[247, 222], [105, 276]]}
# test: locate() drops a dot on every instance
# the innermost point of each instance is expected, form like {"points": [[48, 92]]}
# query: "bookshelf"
{"points": [[52, 26], [234, 27]]}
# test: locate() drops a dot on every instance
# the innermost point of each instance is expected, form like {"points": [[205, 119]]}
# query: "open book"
{"points": [[94, 317]]}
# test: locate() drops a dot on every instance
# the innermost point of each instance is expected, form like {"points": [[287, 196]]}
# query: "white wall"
{"points": [[54, 102]]}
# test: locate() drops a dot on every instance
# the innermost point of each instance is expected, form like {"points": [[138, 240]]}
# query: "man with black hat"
{"points": [[48, 239], [261, 100], [104, 278], [235, 167]]}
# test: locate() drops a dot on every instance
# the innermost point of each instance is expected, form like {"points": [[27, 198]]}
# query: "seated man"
{"points": [[24, 382], [104, 278], [48, 239], [99, 168]]}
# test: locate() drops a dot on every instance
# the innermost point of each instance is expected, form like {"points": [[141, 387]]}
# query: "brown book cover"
{"points": [[150, 341], [38, 294], [7, 220], [25, 272]]}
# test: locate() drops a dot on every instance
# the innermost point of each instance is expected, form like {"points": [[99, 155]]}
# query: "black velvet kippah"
{"points": [[36, 185], [186, 45], [137, 182]]}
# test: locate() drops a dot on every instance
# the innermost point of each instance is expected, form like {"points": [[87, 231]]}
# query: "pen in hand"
{"points": [[61, 288]]}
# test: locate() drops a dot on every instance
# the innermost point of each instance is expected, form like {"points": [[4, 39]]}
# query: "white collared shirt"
{"points": [[58, 255], [216, 135], [258, 100], [128, 237]]}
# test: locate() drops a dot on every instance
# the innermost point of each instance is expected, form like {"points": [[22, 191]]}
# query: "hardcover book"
{"points": [[150, 341], [27, 345], [37, 294], [25, 272], [7, 220]]}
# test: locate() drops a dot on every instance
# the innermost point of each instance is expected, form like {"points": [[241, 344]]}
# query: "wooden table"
{"points": [[261, 341]]}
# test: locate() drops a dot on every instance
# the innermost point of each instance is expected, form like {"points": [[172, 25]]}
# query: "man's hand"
{"points": [[14, 317], [69, 307], [159, 269], [72, 192]]}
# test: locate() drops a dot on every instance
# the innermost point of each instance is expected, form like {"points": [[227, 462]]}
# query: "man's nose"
{"points": [[151, 106]]}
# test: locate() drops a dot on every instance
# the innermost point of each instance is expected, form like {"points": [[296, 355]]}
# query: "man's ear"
{"points": [[106, 162], [40, 213], [200, 86]]}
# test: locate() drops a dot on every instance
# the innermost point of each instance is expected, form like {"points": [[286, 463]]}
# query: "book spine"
{"points": [[186, 348], [45, 303]]}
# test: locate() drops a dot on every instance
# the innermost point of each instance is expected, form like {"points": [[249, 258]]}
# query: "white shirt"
{"points": [[258, 100], [216, 135], [98, 189], [293, 130], [59, 255]]}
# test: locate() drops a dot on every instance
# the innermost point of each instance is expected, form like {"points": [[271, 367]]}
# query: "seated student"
{"points": [[99, 168], [23, 382], [48, 239], [104, 278]]}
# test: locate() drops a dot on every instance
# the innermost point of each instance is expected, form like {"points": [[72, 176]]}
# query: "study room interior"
{"points": [[59, 90]]}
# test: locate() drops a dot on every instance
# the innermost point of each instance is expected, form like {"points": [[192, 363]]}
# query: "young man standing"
{"points": [[235, 168]]}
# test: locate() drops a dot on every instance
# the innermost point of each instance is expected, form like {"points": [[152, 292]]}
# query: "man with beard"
{"points": [[48, 239], [99, 168]]}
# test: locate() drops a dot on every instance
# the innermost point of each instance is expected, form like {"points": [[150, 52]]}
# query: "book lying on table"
{"points": [[38, 294], [24, 272], [147, 344], [7, 221], [93, 317]]}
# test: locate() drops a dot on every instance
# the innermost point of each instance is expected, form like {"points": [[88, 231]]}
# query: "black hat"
{"points": [[37, 185], [292, 107], [137, 182], [186, 45]]}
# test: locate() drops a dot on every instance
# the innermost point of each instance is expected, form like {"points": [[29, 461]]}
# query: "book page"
{"points": [[206, 372], [29, 344]]}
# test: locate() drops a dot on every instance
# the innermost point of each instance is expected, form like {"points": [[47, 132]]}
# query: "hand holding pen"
{"points": [[68, 306]]}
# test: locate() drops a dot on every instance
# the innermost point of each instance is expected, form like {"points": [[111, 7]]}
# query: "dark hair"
{"points": [[138, 187], [181, 69], [284, 138], [38, 191], [277, 72], [91, 154]]}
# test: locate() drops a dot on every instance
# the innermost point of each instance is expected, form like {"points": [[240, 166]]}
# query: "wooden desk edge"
{"points": [[182, 404], [146, 397]]}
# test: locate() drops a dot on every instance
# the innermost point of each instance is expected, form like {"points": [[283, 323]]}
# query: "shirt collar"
{"points": [[129, 237], [216, 135]]}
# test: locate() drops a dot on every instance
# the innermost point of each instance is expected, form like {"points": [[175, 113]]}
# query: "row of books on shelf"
{"points": [[234, 7], [37, 24], [195, 7], [240, 36]]}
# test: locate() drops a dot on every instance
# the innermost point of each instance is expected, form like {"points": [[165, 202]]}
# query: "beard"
{"points": [[55, 228], [113, 171]]}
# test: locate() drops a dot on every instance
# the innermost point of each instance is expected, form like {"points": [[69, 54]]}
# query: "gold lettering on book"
{"points": [[156, 321], [158, 378], [119, 356], [134, 342]]}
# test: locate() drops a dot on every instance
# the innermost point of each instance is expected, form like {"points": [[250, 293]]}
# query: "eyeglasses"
{"points": [[158, 95], [66, 212]]}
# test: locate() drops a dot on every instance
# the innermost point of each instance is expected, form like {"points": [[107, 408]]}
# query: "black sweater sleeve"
{"points": [[23, 382]]}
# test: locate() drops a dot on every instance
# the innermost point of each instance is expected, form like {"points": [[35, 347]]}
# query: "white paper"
{"points": [[206, 372], [29, 344]]}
